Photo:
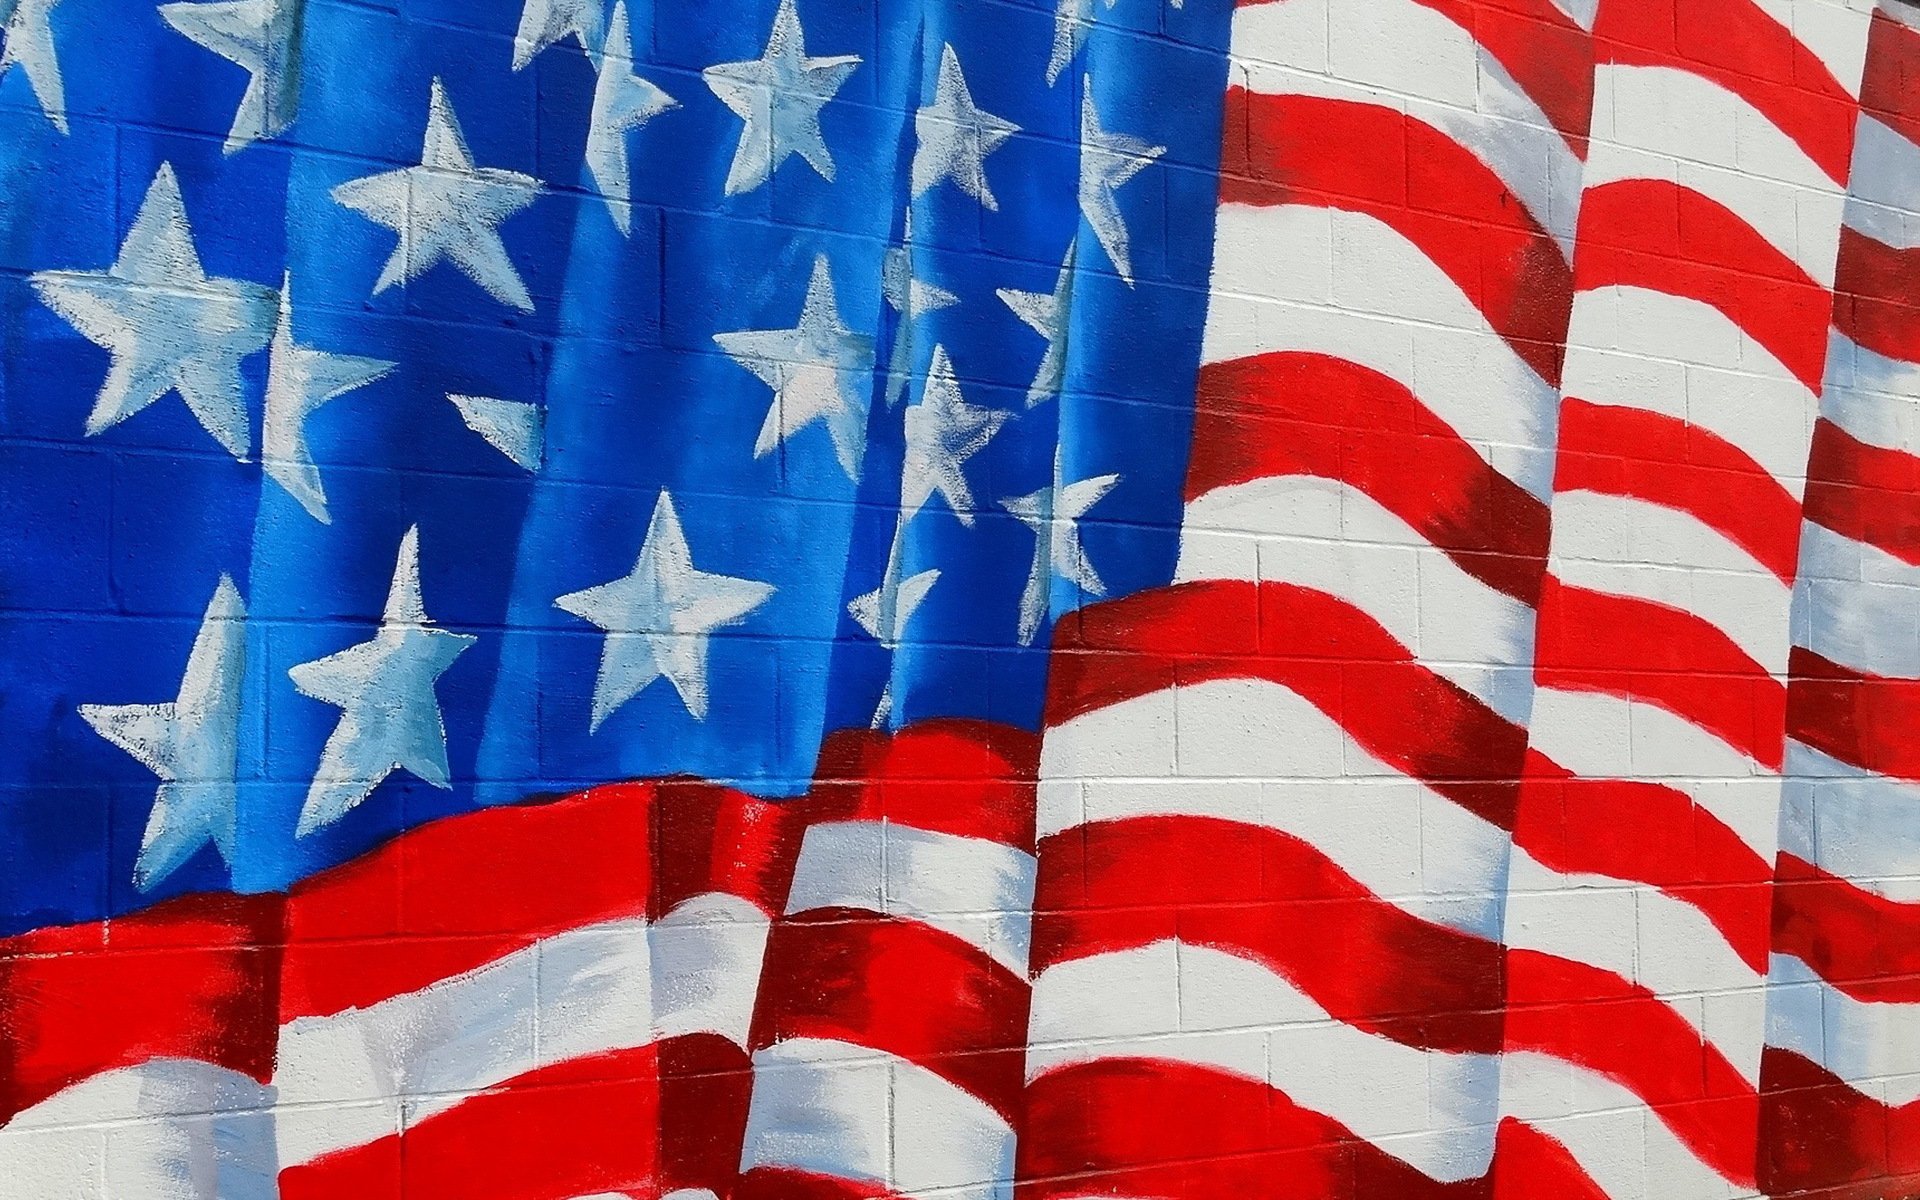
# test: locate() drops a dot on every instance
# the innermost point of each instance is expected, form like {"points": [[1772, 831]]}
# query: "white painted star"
{"points": [[943, 431], [1048, 316], [622, 102], [29, 45], [390, 714], [1072, 21], [660, 617], [166, 324], [954, 137], [1108, 160], [446, 209], [513, 427], [817, 371], [192, 743], [885, 611], [1053, 513], [299, 381], [545, 23], [262, 37], [779, 96], [912, 298]]}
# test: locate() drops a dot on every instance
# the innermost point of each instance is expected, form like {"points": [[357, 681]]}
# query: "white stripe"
{"points": [[1203, 747], [850, 1112], [167, 1129], [1857, 605], [1646, 937], [1597, 736], [1635, 347], [1625, 546], [1834, 30], [1617, 1140], [977, 890], [1434, 341], [1871, 396], [1691, 119], [1886, 177], [463, 1033], [1193, 1004], [706, 957], [1407, 57], [1874, 1047], [1334, 538], [1849, 822]]}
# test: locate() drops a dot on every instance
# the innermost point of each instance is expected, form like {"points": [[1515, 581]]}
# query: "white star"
{"points": [[660, 617], [779, 96], [1108, 160], [954, 137], [299, 381], [446, 208], [622, 101], [545, 23], [166, 324], [390, 715], [1072, 21], [885, 611], [943, 432], [911, 297], [1048, 316], [1053, 513], [514, 428], [29, 43], [192, 743], [816, 371], [262, 37]]}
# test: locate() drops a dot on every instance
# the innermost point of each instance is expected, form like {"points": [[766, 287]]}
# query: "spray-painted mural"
{"points": [[805, 599]]}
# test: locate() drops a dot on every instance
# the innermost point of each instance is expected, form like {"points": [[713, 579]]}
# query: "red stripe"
{"points": [[1624, 646], [1870, 721], [1893, 63], [1621, 451], [965, 778], [899, 987], [1824, 1140], [191, 978], [1626, 240], [1150, 1127], [1311, 414], [1868, 493], [1875, 286], [1648, 833], [1864, 944], [1428, 187], [1330, 653], [780, 1183], [1260, 894], [1594, 1019], [1548, 55], [1530, 1165], [1737, 45]]}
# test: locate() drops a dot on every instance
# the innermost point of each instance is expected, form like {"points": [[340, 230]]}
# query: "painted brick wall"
{"points": [[962, 599]]}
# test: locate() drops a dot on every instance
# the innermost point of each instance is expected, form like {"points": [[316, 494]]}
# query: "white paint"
{"points": [[1834, 30], [1433, 340], [1730, 385], [1626, 546], [1690, 119], [1850, 822], [1108, 160], [850, 1112], [1886, 176], [976, 890], [1871, 396], [953, 137], [1332, 537], [1598, 736], [706, 958], [1617, 1140], [1874, 1047], [1407, 57], [167, 1129], [514, 428], [778, 98], [1857, 605], [1184, 1003]]}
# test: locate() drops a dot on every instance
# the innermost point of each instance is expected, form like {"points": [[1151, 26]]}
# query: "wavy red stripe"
{"points": [[1864, 944], [1311, 414], [1893, 63], [1318, 646], [1875, 286], [1866, 492], [1870, 721]]}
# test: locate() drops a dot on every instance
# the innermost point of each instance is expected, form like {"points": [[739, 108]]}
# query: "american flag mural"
{"points": [[959, 599]]}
